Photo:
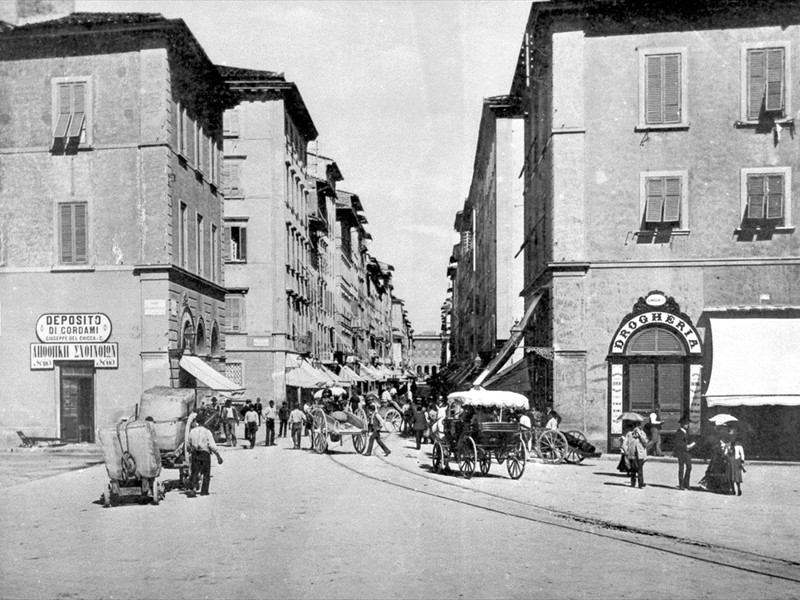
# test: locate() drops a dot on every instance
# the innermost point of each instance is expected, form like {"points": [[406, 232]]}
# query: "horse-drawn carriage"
{"points": [[474, 442]]}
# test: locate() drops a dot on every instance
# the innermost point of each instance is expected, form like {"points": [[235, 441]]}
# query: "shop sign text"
{"points": [[53, 328], [664, 319], [104, 356]]}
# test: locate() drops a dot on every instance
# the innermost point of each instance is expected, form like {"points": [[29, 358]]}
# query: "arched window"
{"points": [[419, 370], [200, 338], [215, 339], [186, 337], [427, 370], [655, 340], [433, 370]]}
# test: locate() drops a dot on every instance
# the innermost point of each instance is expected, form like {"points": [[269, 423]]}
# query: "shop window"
{"points": [[72, 115], [766, 198], [662, 88], [766, 92], [73, 233]]}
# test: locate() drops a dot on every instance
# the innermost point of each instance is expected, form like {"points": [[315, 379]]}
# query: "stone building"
{"points": [[426, 354], [268, 202], [661, 251], [111, 278]]}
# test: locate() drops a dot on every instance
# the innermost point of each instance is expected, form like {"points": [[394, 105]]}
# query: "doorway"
{"points": [[77, 403]]}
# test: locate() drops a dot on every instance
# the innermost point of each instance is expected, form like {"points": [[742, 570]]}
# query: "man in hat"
{"points": [[201, 446], [683, 448]]}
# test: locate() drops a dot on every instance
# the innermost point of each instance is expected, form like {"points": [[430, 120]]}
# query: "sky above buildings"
{"points": [[395, 90]]}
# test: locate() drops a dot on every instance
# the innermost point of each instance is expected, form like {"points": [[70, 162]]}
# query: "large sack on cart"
{"points": [[582, 445], [130, 451], [168, 408]]}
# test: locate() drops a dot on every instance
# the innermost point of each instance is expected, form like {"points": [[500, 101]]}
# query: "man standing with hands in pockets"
{"points": [[682, 452]]}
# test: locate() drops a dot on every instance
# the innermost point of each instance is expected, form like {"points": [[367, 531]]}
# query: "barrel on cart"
{"points": [[133, 462]]}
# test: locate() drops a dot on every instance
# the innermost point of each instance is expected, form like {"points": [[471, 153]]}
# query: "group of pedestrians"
{"points": [[725, 467]]}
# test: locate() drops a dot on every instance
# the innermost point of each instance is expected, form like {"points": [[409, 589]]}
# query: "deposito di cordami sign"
{"points": [[60, 328]]}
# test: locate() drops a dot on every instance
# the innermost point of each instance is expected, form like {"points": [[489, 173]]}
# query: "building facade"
{"points": [[270, 202], [659, 214], [111, 278], [426, 354]]}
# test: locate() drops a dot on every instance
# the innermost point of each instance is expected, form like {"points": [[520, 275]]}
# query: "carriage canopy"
{"points": [[478, 396]]}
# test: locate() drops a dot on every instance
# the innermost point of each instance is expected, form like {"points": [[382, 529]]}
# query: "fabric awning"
{"points": [[347, 374], [300, 373], [514, 378], [208, 376], [517, 336], [373, 373], [334, 378], [755, 362]]}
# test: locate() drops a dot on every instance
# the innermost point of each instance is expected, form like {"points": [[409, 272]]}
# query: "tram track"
{"points": [[450, 491]]}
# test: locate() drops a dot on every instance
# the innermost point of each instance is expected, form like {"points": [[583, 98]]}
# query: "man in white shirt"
{"points": [[270, 415], [296, 420], [525, 426], [655, 431], [200, 445], [251, 425]]}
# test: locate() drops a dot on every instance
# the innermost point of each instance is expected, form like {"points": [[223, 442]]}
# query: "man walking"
{"points": [[655, 431], [682, 452], [297, 419], [251, 425], [270, 414], [201, 446], [376, 424], [283, 416], [230, 419]]}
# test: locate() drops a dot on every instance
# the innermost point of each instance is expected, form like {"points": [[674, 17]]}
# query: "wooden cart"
{"points": [[554, 446], [332, 427]]}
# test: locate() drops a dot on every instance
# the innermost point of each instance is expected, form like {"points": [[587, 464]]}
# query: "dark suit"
{"points": [[683, 454]]}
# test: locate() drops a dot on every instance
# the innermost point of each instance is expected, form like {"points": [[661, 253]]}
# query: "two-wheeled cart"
{"points": [[328, 428]]}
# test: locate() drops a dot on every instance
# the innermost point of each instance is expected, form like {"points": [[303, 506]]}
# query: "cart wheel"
{"points": [[360, 442], [573, 456], [552, 446], [155, 487], [393, 421], [107, 497], [516, 461], [485, 461], [362, 415], [467, 457], [445, 459], [438, 457]]}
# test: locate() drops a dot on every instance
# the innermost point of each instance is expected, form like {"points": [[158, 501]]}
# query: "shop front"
{"points": [[654, 362]]}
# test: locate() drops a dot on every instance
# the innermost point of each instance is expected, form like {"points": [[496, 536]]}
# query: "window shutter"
{"points": [[78, 110], [774, 196], [755, 196], [243, 243], [234, 314], [672, 200], [756, 82], [64, 110], [641, 387], [774, 80], [235, 178], [672, 88], [226, 177], [653, 107], [230, 122], [80, 233], [191, 134], [654, 200], [65, 227]]}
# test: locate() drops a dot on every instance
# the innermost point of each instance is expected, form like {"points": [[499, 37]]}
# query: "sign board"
{"points": [[54, 328], [155, 307], [104, 356], [261, 342]]}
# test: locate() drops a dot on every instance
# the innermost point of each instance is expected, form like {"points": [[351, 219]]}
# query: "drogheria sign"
{"points": [[59, 328], [656, 309]]}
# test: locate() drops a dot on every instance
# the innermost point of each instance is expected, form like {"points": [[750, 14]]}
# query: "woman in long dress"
{"points": [[735, 464]]}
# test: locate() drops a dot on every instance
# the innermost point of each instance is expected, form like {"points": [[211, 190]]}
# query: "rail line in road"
{"points": [[740, 560]]}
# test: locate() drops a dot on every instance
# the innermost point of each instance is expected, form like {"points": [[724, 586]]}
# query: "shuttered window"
{"points": [[655, 340], [663, 103], [73, 234], [765, 196], [234, 307], [230, 123], [641, 387], [663, 200], [71, 113], [232, 178], [766, 85]]}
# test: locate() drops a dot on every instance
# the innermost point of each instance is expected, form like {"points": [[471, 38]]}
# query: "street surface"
{"points": [[285, 523]]}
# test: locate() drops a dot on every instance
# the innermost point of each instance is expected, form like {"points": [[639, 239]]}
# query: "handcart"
{"points": [[474, 444], [133, 462], [554, 446], [332, 426]]}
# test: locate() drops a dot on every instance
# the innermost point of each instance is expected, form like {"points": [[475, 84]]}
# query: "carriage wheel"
{"points": [[107, 497], [516, 461], [319, 432], [573, 456], [393, 421], [467, 457], [485, 461], [360, 442], [445, 458], [155, 488], [438, 458], [552, 446]]}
